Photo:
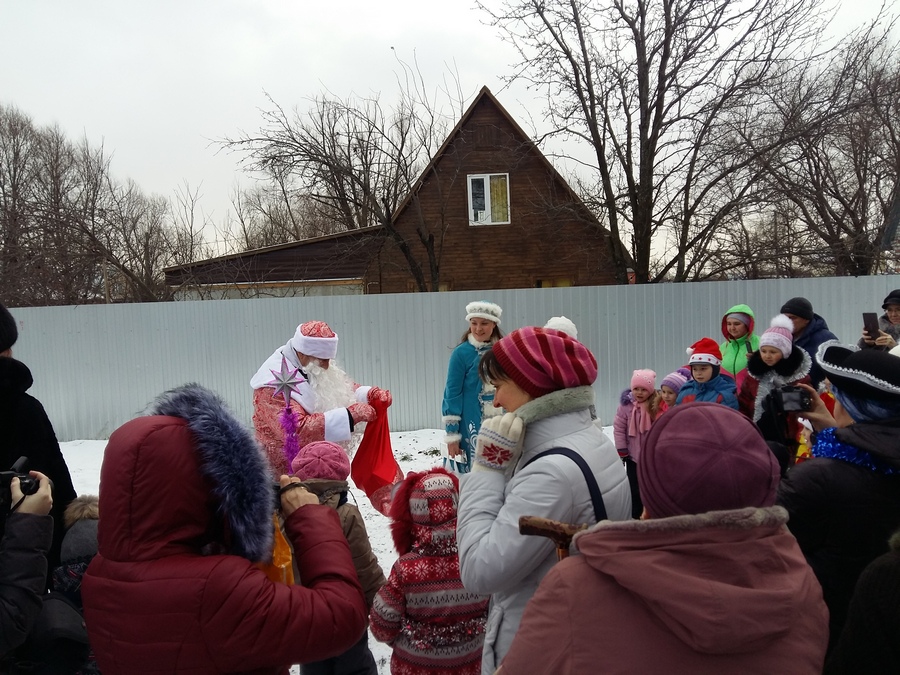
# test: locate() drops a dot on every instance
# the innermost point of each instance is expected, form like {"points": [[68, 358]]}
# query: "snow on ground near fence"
{"points": [[414, 450]]}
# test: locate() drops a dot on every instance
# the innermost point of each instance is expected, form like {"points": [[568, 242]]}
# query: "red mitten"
{"points": [[382, 395], [361, 412]]}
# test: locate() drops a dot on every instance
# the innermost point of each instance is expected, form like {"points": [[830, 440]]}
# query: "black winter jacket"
{"points": [[25, 430], [23, 574], [843, 514], [815, 333]]}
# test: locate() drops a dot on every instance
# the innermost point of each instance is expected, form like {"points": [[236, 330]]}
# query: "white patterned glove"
{"points": [[499, 443]]}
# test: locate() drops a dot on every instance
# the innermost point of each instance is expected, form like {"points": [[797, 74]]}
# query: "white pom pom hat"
{"points": [[779, 335]]}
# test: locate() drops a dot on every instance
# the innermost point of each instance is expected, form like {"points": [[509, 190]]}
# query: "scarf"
{"points": [[640, 420], [827, 445]]}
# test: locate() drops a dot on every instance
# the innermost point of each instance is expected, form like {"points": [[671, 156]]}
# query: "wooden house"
{"points": [[489, 211]]}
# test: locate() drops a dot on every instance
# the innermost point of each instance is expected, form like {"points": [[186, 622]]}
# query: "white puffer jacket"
{"points": [[493, 557]]}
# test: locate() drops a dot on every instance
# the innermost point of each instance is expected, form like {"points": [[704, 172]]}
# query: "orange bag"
{"points": [[281, 569]]}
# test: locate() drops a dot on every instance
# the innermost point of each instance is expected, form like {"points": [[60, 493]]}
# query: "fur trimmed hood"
{"points": [[423, 512], [626, 397], [556, 403], [789, 370], [186, 478]]}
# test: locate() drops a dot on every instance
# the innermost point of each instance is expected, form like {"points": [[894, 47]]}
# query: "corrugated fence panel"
{"points": [[96, 367]]}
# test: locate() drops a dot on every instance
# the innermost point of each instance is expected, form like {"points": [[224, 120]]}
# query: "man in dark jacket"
{"points": [[844, 503], [26, 431], [810, 331]]}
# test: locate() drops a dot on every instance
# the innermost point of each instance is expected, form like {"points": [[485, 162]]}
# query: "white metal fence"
{"points": [[95, 367]]}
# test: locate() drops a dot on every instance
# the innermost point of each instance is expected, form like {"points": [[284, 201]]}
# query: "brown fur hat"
{"points": [[83, 507]]}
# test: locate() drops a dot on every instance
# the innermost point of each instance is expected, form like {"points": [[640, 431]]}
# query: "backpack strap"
{"points": [[593, 488]]}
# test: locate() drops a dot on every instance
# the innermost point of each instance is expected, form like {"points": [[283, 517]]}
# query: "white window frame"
{"points": [[485, 217]]}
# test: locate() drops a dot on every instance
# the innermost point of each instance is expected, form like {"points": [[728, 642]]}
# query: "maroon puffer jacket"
{"points": [[154, 603]]}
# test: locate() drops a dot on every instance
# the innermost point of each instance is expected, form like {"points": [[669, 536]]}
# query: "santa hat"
{"points": [[675, 381], [321, 459], [543, 360], [482, 309], [705, 350], [779, 335], [315, 338], [643, 378], [563, 324]]}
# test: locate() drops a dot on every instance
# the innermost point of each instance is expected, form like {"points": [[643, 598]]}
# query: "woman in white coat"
{"points": [[543, 380]]}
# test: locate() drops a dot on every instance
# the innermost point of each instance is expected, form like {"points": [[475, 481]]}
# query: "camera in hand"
{"points": [[27, 484], [791, 399]]}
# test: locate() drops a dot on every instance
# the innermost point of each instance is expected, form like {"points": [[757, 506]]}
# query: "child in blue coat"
{"points": [[709, 384]]}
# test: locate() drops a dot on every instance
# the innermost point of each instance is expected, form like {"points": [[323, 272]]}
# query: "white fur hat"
{"points": [[563, 324], [482, 309]]}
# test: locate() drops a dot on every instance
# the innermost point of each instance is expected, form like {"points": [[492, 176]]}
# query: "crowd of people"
{"points": [[739, 518]]}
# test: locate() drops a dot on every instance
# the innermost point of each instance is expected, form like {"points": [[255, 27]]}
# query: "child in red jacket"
{"points": [[434, 624]]}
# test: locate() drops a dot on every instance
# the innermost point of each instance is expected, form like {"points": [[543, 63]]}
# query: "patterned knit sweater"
{"points": [[434, 624]]}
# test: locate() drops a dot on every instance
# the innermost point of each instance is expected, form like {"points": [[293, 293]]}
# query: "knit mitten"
{"points": [[499, 443], [361, 412], [381, 395]]}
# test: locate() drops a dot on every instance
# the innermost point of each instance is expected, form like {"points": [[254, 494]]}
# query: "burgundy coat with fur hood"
{"points": [[186, 500]]}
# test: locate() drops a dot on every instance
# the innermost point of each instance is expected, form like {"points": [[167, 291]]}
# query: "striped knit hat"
{"points": [[675, 381], [543, 360], [779, 335]]}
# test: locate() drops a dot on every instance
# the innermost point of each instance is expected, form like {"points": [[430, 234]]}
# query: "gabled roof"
{"points": [[525, 139], [345, 255]]}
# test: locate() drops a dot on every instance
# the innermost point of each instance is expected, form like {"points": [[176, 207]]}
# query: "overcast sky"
{"points": [[157, 81]]}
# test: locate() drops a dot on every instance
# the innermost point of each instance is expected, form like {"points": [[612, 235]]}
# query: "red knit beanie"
{"points": [[543, 360]]}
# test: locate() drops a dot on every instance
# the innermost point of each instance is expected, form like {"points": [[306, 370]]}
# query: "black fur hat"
{"points": [[8, 331]]}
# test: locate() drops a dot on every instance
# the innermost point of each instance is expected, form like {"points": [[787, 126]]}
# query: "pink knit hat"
{"points": [[644, 378], [701, 457], [705, 350], [543, 360], [779, 335], [322, 459]]}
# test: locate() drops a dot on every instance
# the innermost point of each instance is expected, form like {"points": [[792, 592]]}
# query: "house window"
{"points": [[553, 283], [489, 199]]}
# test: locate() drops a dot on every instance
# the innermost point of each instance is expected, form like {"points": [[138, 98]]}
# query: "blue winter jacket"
{"points": [[720, 389]]}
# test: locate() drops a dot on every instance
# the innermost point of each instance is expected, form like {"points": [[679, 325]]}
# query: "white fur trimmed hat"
{"points": [[315, 338], [482, 309]]}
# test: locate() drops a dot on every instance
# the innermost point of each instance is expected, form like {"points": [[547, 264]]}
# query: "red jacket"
{"points": [[156, 602]]}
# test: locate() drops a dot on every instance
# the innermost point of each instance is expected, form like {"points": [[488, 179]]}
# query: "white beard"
{"points": [[334, 389]]}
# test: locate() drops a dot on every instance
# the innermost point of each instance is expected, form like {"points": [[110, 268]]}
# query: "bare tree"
{"points": [[842, 176], [70, 233], [655, 89], [352, 161]]}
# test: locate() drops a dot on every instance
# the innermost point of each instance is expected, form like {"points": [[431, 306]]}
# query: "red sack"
{"points": [[374, 469]]}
